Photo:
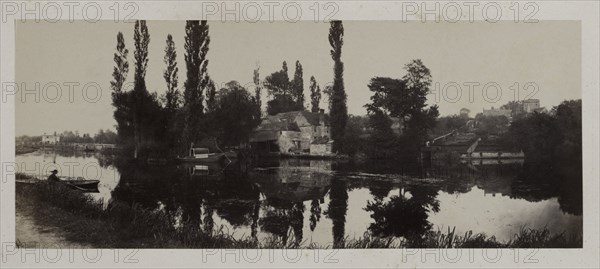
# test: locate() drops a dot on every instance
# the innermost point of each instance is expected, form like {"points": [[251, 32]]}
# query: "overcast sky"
{"points": [[546, 53]]}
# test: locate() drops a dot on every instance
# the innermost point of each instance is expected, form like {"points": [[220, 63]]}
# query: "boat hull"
{"points": [[84, 184], [87, 185]]}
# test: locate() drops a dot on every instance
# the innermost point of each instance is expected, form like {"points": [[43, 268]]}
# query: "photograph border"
{"points": [[584, 11]]}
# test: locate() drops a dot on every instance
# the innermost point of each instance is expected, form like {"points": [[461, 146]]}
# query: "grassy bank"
{"points": [[117, 225]]}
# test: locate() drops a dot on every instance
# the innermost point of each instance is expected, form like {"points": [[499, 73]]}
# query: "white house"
{"points": [[50, 139]]}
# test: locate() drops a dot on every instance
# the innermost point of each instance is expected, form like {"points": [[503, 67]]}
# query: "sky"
{"points": [[508, 55]]}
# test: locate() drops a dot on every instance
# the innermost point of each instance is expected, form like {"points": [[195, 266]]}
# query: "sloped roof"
{"points": [[271, 125], [270, 129], [274, 123]]}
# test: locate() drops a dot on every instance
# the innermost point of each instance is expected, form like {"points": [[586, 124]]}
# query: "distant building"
{"points": [[50, 139], [497, 112], [464, 112], [531, 105], [294, 131]]}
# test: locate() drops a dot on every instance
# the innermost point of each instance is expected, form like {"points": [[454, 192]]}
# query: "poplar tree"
{"points": [[172, 95], [339, 109], [120, 98], [141, 97], [196, 49], [298, 86], [258, 89], [315, 95]]}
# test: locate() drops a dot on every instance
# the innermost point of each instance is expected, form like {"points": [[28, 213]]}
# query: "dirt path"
{"points": [[31, 235]]}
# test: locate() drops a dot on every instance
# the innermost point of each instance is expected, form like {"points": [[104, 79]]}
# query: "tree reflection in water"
{"points": [[282, 217], [271, 200], [209, 222], [287, 184], [380, 189], [404, 214], [336, 211], [315, 213], [540, 181]]}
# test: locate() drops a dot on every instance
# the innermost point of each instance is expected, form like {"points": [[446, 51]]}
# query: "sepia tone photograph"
{"points": [[238, 134], [347, 134]]}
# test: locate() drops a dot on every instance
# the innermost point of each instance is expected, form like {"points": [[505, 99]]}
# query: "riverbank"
{"points": [[82, 220], [34, 232]]}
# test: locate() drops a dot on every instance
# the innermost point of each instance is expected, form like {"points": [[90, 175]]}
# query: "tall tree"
{"points": [[142, 100], [298, 86], [418, 81], [196, 49], [121, 65], [258, 87], [171, 99], [405, 99], [210, 122], [278, 83], [315, 95], [328, 91], [172, 95], [211, 96], [280, 90], [339, 109], [122, 112]]}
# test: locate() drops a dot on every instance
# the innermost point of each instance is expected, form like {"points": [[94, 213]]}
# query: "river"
{"points": [[316, 201]]}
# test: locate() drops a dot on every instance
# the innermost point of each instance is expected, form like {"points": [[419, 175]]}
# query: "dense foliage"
{"points": [[196, 50], [298, 86], [550, 137], [450, 123], [490, 125], [285, 95], [404, 99], [243, 118]]}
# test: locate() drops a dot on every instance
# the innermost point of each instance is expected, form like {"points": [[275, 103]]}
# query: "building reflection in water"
{"points": [[286, 199]]}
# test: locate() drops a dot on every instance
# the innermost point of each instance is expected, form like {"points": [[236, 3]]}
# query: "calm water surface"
{"points": [[321, 201]]}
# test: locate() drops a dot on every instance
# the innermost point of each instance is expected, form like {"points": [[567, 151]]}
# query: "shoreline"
{"points": [[81, 222]]}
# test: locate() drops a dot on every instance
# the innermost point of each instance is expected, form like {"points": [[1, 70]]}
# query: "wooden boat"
{"points": [[78, 183], [202, 155]]}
